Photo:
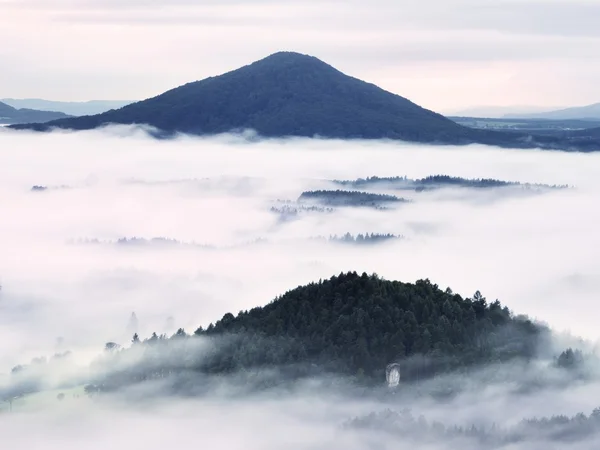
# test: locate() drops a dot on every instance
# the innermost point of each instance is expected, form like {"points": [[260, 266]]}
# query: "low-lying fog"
{"points": [[72, 272]]}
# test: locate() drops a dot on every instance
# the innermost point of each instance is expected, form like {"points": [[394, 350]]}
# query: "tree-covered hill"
{"points": [[350, 326], [357, 324]]}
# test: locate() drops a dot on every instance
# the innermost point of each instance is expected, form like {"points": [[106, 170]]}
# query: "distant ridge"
{"points": [[497, 112], [10, 115], [71, 108], [590, 112], [291, 94]]}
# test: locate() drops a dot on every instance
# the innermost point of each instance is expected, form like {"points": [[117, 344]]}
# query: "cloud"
{"points": [[555, 17], [529, 251], [535, 252], [524, 17]]}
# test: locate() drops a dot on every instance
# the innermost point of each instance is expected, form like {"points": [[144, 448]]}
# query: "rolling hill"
{"points": [[10, 115], [357, 324], [351, 325]]}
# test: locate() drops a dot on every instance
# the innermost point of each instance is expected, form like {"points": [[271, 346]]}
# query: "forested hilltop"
{"points": [[357, 324], [349, 198], [351, 326]]}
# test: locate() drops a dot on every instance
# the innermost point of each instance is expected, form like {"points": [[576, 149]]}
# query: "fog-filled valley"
{"points": [[129, 265]]}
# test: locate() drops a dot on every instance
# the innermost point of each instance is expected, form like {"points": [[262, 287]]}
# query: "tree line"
{"points": [[349, 198], [403, 425], [440, 181]]}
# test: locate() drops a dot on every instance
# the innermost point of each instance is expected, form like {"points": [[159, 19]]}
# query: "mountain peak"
{"points": [[288, 55], [287, 59], [284, 94]]}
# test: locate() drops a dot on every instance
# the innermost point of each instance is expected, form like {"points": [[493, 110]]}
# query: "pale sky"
{"points": [[443, 54]]}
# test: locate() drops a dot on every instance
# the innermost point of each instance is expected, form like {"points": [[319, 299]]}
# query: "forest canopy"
{"points": [[357, 324], [351, 326]]}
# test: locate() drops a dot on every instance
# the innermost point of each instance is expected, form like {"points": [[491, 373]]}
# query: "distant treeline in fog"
{"points": [[405, 426], [367, 238], [349, 198], [139, 242], [439, 181], [293, 211], [142, 242], [169, 242]]}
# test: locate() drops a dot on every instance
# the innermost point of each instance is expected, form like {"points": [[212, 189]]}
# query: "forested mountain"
{"points": [[357, 324], [350, 325], [285, 94], [10, 115], [290, 94]]}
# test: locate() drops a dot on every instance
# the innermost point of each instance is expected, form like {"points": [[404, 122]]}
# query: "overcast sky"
{"points": [[443, 54]]}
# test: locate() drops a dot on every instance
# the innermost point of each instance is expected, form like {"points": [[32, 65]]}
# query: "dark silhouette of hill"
{"points": [[285, 94], [290, 94], [10, 115]]}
